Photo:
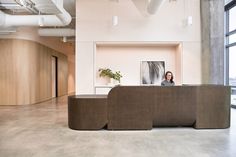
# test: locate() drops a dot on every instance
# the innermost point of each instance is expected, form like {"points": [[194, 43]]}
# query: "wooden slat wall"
{"points": [[62, 76], [25, 72]]}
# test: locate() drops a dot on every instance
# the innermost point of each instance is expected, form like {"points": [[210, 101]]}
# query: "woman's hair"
{"points": [[172, 77]]}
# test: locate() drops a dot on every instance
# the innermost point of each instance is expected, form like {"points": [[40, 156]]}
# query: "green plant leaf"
{"points": [[106, 72]]}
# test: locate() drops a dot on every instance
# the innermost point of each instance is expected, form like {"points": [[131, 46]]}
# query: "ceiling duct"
{"points": [[153, 6], [57, 32], [148, 7], [28, 5], [9, 5], [48, 6], [60, 17], [7, 31]]}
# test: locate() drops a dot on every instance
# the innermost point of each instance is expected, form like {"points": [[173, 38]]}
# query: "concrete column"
{"points": [[212, 31]]}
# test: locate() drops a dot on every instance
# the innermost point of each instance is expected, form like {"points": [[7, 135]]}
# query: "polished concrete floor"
{"points": [[41, 131]]}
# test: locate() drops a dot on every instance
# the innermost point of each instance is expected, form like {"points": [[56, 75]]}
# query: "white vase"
{"points": [[110, 82], [116, 82]]}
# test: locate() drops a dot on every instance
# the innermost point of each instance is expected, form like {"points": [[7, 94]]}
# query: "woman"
{"points": [[168, 79]]}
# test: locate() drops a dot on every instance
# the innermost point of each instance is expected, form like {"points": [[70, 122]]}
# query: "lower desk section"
{"points": [[87, 112]]}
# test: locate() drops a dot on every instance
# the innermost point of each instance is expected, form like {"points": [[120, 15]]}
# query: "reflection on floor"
{"points": [[41, 131]]}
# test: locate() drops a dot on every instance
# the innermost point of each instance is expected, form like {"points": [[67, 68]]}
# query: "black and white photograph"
{"points": [[152, 72]]}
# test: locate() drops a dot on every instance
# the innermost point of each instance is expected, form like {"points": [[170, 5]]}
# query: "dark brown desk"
{"points": [[87, 112], [144, 107]]}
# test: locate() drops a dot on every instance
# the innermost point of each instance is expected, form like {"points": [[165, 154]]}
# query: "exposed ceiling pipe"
{"points": [[61, 19], [7, 31], [6, 5], [57, 32], [153, 6], [148, 7]]}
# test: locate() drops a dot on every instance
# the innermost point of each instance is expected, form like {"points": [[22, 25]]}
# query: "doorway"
{"points": [[54, 76]]}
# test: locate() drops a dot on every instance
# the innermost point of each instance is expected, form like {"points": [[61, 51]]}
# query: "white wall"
{"points": [[191, 63], [84, 68], [94, 24]]}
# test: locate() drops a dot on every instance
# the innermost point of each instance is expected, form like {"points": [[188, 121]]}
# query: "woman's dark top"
{"points": [[167, 83]]}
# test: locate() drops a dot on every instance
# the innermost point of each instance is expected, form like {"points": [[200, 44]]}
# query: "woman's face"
{"points": [[168, 76]]}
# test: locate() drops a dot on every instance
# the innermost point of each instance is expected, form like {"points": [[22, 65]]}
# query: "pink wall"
{"points": [[127, 59]]}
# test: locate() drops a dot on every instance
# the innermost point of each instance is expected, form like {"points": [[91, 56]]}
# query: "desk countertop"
{"points": [[90, 96]]}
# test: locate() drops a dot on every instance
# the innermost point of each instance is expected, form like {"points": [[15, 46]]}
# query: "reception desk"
{"points": [[144, 107]]}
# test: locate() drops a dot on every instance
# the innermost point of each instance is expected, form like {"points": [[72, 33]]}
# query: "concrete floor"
{"points": [[41, 131]]}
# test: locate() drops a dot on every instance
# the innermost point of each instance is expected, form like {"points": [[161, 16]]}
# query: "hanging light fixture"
{"points": [[114, 20], [189, 20], [64, 39]]}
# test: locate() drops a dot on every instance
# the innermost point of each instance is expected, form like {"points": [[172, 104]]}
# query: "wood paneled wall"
{"points": [[25, 72]]}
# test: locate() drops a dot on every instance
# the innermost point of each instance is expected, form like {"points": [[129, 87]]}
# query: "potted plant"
{"points": [[117, 76], [106, 72]]}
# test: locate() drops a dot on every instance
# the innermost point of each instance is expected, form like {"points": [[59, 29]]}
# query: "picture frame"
{"points": [[152, 72]]}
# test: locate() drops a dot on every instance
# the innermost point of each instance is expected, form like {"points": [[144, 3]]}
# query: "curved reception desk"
{"points": [[144, 107]]}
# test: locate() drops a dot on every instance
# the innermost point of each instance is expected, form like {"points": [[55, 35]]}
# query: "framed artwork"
{"points": [[152, 72]]}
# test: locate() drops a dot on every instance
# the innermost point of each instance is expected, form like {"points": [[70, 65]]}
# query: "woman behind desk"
{"points": [[168, 79]]}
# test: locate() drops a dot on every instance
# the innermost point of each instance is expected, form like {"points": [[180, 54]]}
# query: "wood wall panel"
{"points": [[7, 74], [25, 73], [62, 76]]}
